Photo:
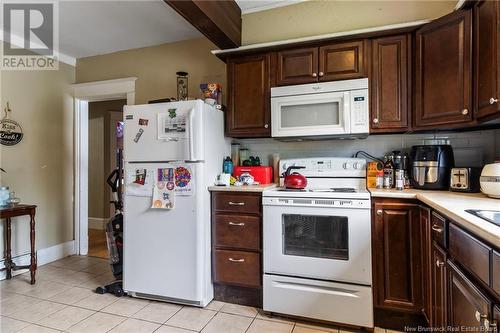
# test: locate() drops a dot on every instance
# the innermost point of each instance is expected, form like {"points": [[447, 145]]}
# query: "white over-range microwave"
{"points": [[326, 109]]}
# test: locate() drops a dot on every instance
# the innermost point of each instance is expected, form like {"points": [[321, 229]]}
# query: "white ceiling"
{"points": [[89, 28], [252, 6]]}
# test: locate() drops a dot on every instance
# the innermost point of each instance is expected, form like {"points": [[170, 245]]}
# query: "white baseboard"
{"points": [[97, 223], [44, 256]]}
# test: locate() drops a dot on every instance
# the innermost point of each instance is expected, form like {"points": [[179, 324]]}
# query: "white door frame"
{"points": [[83, 93]]}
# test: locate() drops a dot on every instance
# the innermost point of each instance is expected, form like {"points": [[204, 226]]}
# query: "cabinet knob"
{"points": [[314, 75], [465, 112], [375, 120], [266, 125], [321, 73], [493, 100], [439, 263], [379, 212]]}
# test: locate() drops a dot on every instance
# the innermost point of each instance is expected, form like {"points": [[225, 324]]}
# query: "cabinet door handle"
{"points": [[232, 203], [493, 100], [236, 260], [379, 212], [436, 228], [375, 120], [314, 75], [480, 316], [238, 224], [321, 73], [465, 112], [439, 263]]}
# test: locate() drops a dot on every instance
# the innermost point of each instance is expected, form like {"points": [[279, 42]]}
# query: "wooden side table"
{"points": [[14, 211]]}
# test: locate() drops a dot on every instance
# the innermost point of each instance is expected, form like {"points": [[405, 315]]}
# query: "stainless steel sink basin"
{"points": [[492, 216]]}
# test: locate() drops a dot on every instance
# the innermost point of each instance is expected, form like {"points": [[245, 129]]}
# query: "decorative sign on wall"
{"points": [[11, 132]]}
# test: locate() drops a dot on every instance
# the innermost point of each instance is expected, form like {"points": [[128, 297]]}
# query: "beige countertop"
{"points": [[243, 188], [453, 205]]}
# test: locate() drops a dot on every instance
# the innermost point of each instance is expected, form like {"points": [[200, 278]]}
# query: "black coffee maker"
{"points": [[431, 166]]}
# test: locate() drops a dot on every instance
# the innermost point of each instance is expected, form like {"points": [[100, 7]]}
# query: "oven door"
{"points": [[327, 243], [311, 114]]}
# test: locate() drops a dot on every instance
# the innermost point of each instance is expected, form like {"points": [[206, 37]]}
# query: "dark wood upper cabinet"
{"points": [[438, 287], [397, 257], [249, 96], [443, 69], [390, 78], [467, 306], [487, 55], [341, 61], [297, 66]]}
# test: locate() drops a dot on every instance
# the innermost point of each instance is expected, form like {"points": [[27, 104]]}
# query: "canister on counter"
{"points": [[372, 168]]}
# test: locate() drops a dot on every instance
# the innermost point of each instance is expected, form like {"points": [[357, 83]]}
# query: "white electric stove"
{"points": [[317, 243]]}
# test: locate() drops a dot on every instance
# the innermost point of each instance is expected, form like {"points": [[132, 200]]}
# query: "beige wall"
{"points": [[315, 17], [40, 168], [155, 68]]}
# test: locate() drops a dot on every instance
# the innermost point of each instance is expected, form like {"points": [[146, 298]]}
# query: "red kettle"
{"points": [[294, 180]]}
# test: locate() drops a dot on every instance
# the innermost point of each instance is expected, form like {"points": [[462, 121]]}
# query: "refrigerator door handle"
{"points": [[191, 135]]}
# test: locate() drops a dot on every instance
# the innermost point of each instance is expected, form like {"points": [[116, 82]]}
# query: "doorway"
{"points": [[105, 142], [84, 94]]}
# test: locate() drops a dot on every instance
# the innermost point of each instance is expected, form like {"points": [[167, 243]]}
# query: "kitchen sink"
{"points": [[492, 216]]}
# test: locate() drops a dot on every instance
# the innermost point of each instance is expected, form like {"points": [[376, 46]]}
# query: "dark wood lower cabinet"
{"points": [[425, 231], [467, 306], [237, 247], [397, 256], [438, 287]]}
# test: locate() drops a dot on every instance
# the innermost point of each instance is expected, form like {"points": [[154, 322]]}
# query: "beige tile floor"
{"points": [[63, 300]]}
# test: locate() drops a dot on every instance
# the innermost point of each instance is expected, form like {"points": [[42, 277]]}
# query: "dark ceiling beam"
{"points": [[219, 20]]}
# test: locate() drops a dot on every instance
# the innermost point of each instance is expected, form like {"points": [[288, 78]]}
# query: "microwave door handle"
{"points": [[190, 128]]}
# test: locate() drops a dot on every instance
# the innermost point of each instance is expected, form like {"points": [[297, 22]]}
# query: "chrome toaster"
{"points": [[465, 179]]}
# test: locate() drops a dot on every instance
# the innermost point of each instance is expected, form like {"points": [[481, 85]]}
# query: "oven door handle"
{"points": [[318, 289]]}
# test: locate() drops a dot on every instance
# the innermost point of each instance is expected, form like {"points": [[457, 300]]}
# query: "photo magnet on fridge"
{"points": [[143, 122]]}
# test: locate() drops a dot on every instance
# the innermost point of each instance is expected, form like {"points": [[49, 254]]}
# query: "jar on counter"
{"points": [[379, 180], [4, 196]]}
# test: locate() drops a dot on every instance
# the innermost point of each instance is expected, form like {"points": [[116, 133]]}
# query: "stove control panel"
{"points": [[316, 202], [327, 166]]}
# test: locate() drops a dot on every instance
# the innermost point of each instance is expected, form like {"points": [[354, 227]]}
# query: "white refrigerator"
{"points": [[166, 253]]}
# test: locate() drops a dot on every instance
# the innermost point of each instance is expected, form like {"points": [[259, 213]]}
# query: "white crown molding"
{"points": [[107, 89], [277, 4], [320, 37], [19, 42]]}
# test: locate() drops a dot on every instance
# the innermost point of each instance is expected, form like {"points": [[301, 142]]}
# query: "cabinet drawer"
{"points": [[470, 253], [237, 231], [236, 202], [237, 268], [439, 230]]}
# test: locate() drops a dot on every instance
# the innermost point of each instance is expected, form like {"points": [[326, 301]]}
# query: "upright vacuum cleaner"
{"points": [[114, 233]]}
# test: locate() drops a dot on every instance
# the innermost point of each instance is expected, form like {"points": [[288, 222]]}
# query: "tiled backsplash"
{"points": [[470, 148]]}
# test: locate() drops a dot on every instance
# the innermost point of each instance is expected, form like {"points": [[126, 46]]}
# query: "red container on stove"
{"points": [[261, 174]]}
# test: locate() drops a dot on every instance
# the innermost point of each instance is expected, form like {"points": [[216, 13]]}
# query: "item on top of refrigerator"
{"points": [[388, 172], [261, 174], [223, 179], [252, 161], [211, 91], [372, 169], [227, 166], [232, 180], [294, 180]]}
